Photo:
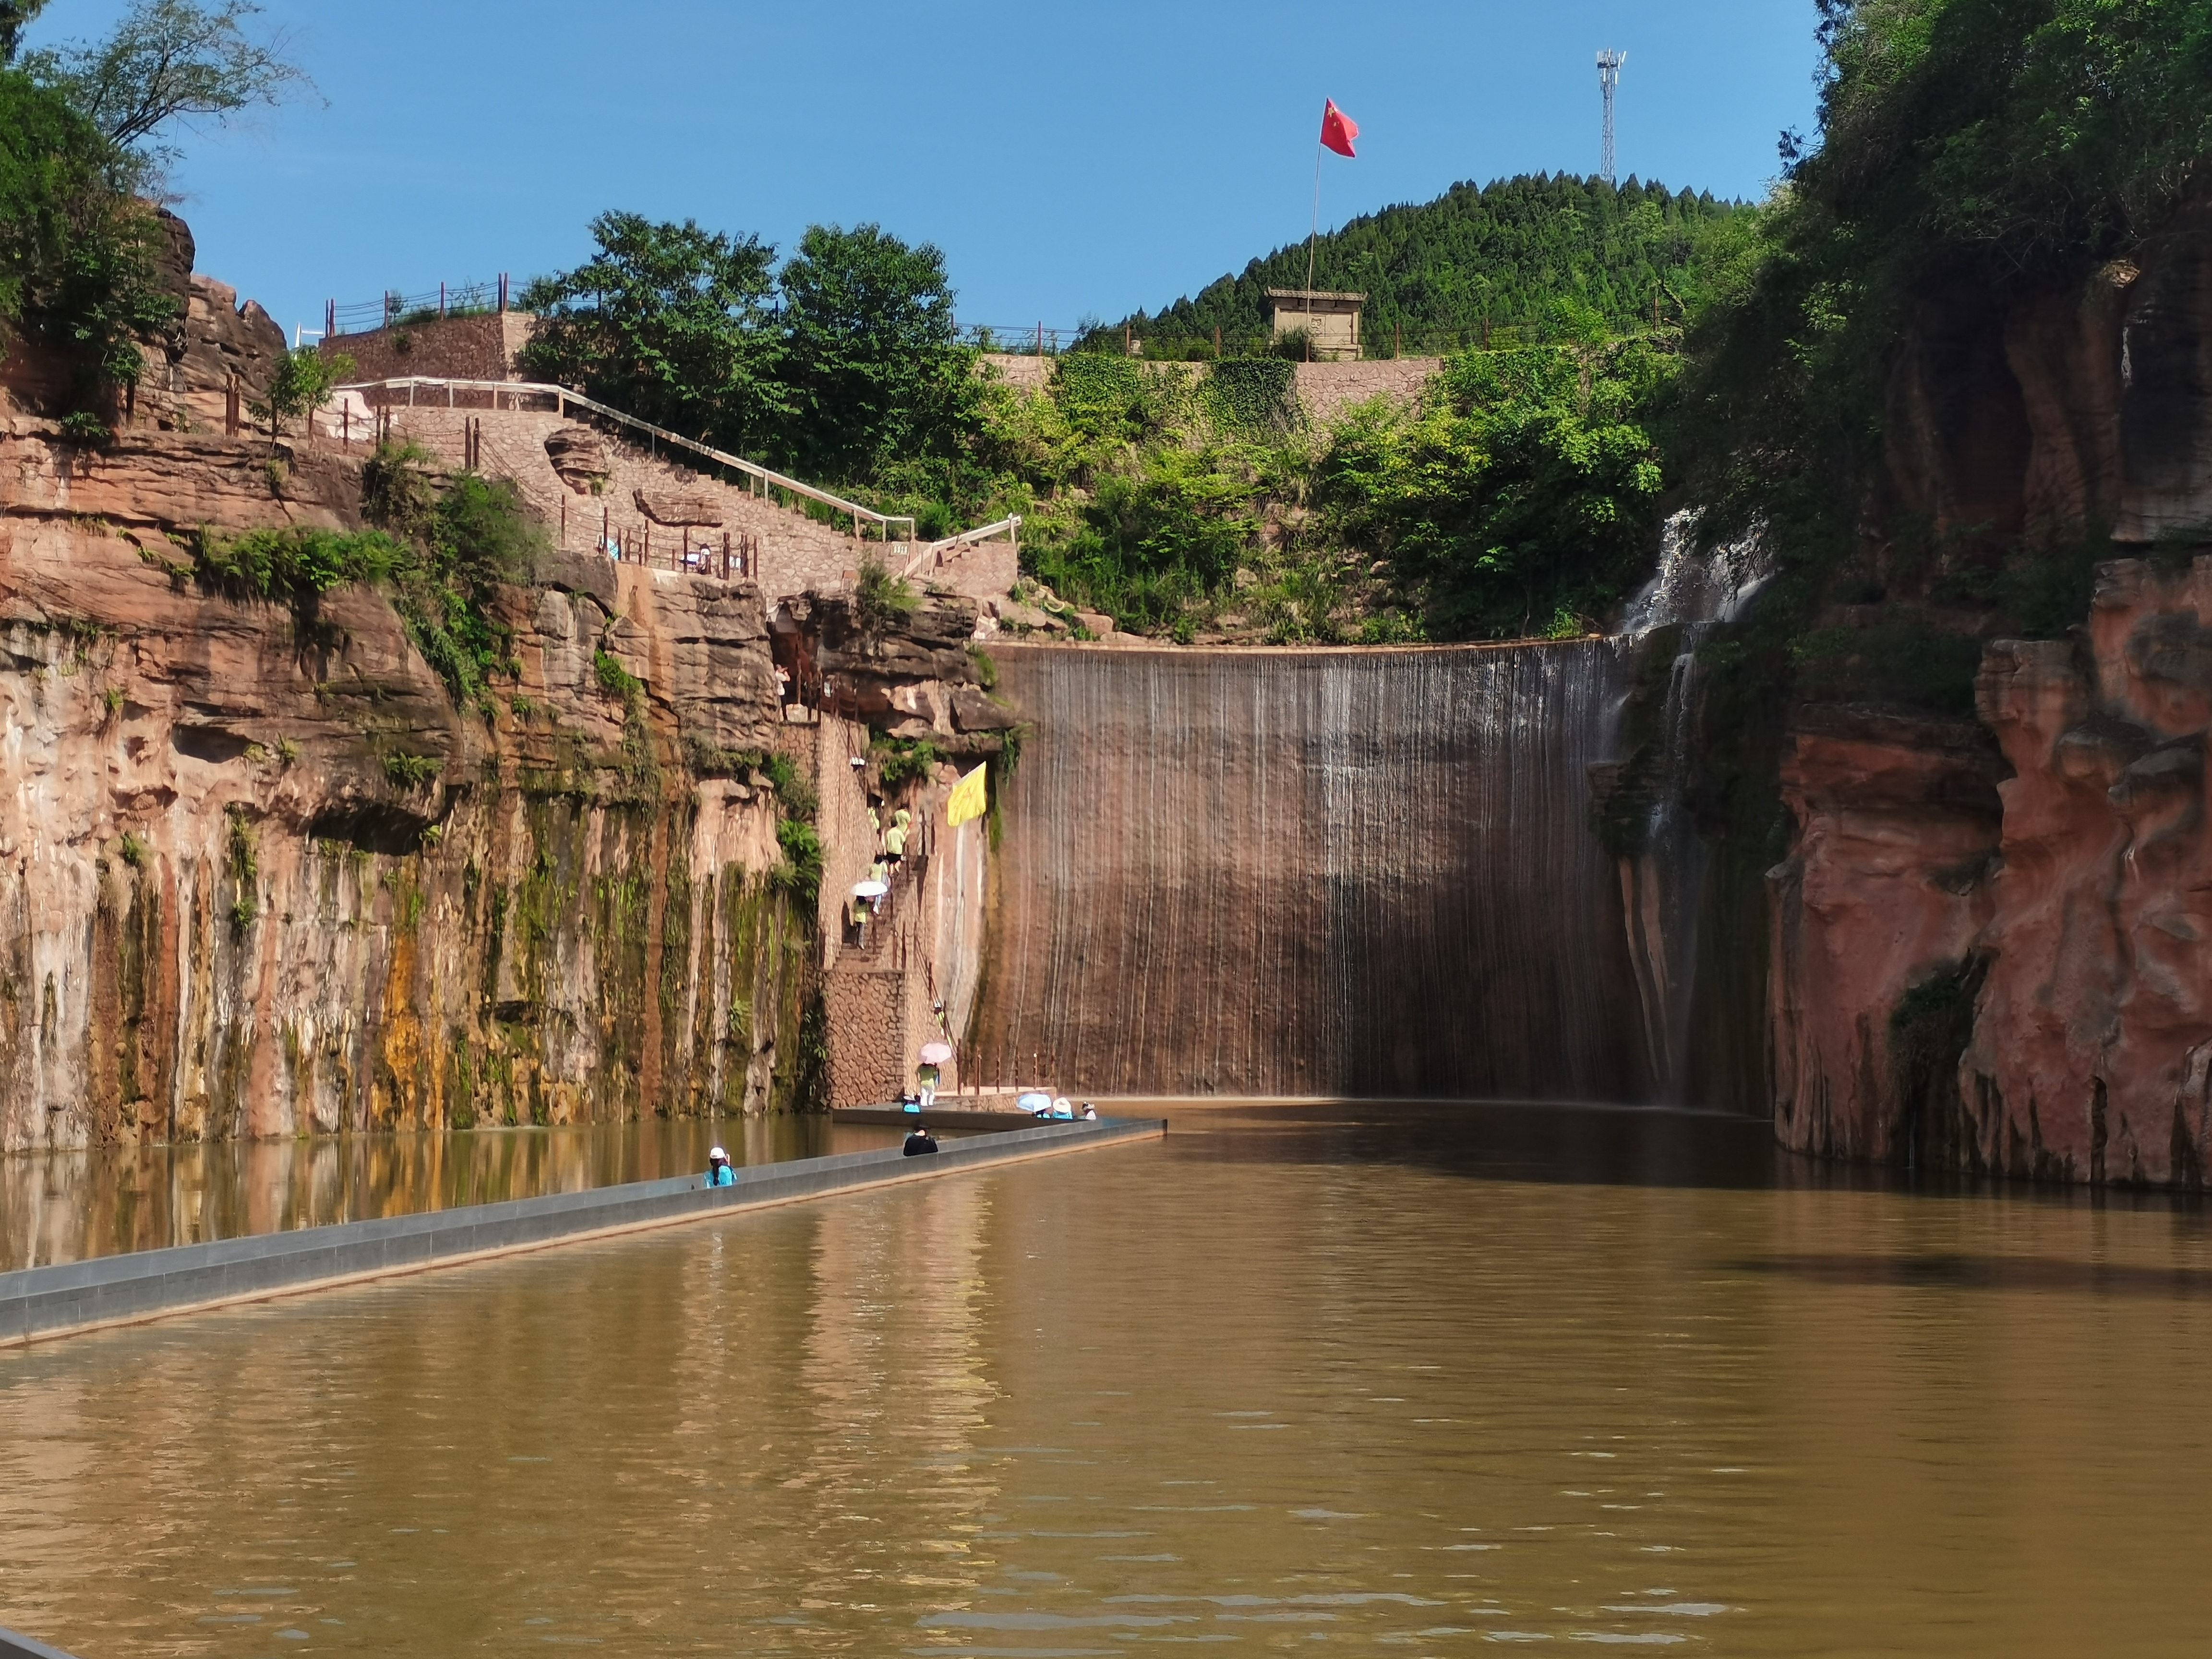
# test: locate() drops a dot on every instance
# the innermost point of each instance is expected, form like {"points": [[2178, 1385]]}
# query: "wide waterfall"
{"points": [[1358, 872]]}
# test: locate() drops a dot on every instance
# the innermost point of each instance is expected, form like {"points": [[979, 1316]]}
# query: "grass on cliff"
{"points": [[436, 554]]}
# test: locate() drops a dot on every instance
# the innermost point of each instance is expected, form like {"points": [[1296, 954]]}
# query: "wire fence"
{"points": [[397, 309]]}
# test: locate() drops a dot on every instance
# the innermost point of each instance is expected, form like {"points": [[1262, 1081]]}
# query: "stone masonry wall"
{"points": [[477, 348], [1324, 390]]}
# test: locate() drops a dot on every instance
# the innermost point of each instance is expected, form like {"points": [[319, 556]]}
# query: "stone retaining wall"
{"points": [[479, 348], [1325, 390]]}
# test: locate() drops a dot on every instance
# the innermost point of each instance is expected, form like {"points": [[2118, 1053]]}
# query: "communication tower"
{"points": [[1608, 77]]}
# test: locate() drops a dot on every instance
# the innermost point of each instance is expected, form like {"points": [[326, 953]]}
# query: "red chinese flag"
{"points": [[1338, 129]]}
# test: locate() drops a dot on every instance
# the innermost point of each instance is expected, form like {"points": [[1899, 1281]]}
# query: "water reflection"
{"points": [[68, 1206], [1239, 1388]]}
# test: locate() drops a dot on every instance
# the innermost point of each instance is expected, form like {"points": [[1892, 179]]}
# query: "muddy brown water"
{"points": [[1425, 1379]]}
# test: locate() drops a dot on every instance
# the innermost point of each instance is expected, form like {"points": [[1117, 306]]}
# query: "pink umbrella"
{"points": [[936, 1054]]}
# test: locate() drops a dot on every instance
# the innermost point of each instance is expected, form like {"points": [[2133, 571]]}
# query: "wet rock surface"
{"points": [[262, 873]]}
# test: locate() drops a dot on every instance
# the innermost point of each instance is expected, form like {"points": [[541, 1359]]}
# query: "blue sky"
{"points": [[1070, 160]]}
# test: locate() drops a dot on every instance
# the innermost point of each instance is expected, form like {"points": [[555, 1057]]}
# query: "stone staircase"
{"points": [[783, 549]]}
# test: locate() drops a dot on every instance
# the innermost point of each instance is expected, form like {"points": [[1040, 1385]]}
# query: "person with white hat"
{"points": [[719, 1172]]}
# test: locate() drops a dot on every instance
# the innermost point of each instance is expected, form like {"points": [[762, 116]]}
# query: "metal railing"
{"points": [[447, 299], [1023, 339], [563, 398]]}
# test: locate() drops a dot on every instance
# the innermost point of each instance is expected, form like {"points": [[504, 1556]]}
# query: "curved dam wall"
{"points": [[1359, 872]]}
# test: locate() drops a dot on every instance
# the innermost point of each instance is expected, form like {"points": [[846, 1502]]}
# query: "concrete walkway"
{"points": [[15, 1645], [39, 1303]]}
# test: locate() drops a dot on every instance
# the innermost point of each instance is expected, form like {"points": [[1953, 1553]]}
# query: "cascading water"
{"points": [[1364, 872], [1663, 864]]}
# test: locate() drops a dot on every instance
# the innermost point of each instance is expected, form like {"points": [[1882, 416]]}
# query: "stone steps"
{"points": [[783, 549]]}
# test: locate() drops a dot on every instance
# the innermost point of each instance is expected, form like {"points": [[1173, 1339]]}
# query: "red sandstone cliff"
{"points": [[224, 911], [1991, 943]]}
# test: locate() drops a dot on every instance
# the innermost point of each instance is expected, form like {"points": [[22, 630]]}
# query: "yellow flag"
{"points": [[967, 801]]}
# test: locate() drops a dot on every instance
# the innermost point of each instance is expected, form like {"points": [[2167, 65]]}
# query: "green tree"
{"points": [[77, 269], [871, 366], [171, 60], [668, 322], [303, 382], [1449, 273], [15, 16], [1159, 540], [1525, 500], [1971, 152]]}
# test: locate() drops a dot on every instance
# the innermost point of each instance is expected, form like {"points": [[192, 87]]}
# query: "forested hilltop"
{"points": [[1508, 255]]}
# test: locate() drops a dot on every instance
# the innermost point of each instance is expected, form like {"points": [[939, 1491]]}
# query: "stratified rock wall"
{"points": [[1989, 940], [2094, 1032], [1898, 827], [1337, 872], [259, 875], [2061, 887]]}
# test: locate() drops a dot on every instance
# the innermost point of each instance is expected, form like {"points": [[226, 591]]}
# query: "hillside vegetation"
{"points": [[1512, 255], [1966, 146], [1188, 500]]}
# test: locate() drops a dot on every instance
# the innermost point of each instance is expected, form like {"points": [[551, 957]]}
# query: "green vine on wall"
{"points": [[1254, 394]]}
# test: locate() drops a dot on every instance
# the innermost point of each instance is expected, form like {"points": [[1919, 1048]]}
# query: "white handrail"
{"points": [[563, 396], [933, 553]]}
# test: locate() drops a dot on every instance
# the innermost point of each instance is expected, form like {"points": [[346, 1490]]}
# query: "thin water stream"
{"points": [[1427, 1379]]}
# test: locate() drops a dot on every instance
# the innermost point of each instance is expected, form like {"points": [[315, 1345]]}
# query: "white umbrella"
{"points": [[870, 890], [936, 1054]]}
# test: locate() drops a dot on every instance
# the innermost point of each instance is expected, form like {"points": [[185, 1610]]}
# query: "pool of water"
{"points": [[68, 1206], [1421, 1380]]}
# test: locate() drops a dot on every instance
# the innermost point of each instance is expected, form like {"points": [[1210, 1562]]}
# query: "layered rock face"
{"points": [[1898, 825], [1987, 947], [2093, 1035], [1994, 953], [2090, 407], [259, 875]]}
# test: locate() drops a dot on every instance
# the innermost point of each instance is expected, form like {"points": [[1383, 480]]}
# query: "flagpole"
{"points": [[1312, 237]]}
